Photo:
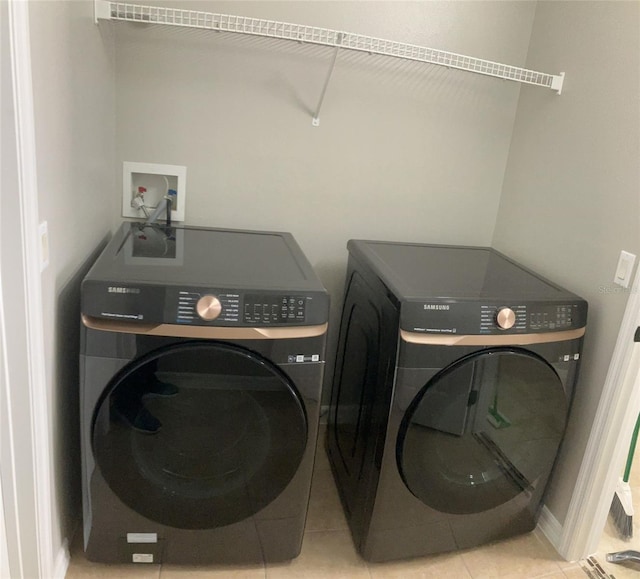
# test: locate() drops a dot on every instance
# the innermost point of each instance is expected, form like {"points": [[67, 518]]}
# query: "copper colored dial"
{"points": [[505, 318], [208, 307]]}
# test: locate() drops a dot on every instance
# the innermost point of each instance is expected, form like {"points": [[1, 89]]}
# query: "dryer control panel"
{"points": [[528, 318], [471, 318]]}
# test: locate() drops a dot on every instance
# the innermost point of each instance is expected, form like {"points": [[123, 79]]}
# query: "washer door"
{"points": [[482, 431], [199, 435]]}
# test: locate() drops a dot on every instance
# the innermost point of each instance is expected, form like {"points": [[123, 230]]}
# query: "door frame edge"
{"points": [[19, 29], [604, 456]]}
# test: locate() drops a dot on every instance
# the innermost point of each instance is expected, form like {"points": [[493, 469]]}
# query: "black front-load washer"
{"points": [[454, 375], [201, 364]]}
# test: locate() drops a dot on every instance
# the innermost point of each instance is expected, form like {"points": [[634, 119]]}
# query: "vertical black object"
{"points": [[441, 440], [364, 365]]}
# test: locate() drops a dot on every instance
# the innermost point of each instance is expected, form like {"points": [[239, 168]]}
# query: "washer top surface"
{"points": [[418, 271], [200, 276], [206, 257]]}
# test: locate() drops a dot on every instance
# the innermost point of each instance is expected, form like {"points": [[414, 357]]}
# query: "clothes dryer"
{"points": [[202, 358], [454, 376]]}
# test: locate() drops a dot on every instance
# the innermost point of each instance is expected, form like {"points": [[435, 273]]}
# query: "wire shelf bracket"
{"points": [[120, 11], [316, 117]]}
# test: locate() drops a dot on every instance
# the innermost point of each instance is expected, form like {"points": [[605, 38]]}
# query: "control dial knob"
{"points": [[505, 318], [208, 307]]}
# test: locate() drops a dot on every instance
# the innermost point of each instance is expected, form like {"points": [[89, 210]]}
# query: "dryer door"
{"points": [[483, 431], [199, 435]]}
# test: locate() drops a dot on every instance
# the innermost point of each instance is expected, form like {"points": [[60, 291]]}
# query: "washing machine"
{"points": [[454, 377], [201, 367]]}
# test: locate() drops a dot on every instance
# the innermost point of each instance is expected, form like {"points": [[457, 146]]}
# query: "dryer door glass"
{"points": [[199, 435], [483, 431]]}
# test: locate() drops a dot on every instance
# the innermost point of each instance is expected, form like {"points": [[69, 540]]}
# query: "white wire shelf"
{"points": [[120, 11]]}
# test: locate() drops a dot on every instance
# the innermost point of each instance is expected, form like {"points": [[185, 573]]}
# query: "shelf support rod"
{"points": [[316, 117]]}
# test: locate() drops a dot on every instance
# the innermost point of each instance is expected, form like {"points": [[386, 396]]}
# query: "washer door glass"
{"points": [[482, 431], [199, 435]]}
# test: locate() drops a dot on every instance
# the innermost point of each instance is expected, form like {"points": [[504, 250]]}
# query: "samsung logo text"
{"points": [[123, 290]]}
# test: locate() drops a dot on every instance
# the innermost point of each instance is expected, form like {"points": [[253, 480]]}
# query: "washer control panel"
{"points": [[204, 306], [237, 308], [278, 309], [193, 307]]}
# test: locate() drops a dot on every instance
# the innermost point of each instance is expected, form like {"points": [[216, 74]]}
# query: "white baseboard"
{"points": [[62, 561], [550, 528]]}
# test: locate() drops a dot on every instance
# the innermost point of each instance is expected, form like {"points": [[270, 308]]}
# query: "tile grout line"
{"points": [[466, 566]]}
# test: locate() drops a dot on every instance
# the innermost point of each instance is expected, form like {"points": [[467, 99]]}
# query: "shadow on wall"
{"points": [[332, 274], [66, 416]]}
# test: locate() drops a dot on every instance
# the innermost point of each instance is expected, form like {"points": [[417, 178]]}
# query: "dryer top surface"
{"points": [[420, 271], [200, 256]]}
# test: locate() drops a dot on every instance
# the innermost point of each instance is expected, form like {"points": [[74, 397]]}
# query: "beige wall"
{"points": [[73, 83], [571, 196], [404, 151]]}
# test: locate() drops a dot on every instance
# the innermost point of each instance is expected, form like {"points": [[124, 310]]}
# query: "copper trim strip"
{"points": [[493, 340], [206, 332]]}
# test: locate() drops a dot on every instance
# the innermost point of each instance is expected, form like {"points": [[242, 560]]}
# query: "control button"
{"points": [[208, 307], [505, 318]]}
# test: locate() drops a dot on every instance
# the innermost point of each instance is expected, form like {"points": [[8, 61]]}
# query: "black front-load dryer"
{"points": [[202, 357], [454, 375]]}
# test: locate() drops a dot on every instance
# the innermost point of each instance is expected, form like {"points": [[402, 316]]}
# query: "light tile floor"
{"points": [[328, 552]]}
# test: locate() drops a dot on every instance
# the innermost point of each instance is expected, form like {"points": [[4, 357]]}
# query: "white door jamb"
{"points": [[608, 442]]}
